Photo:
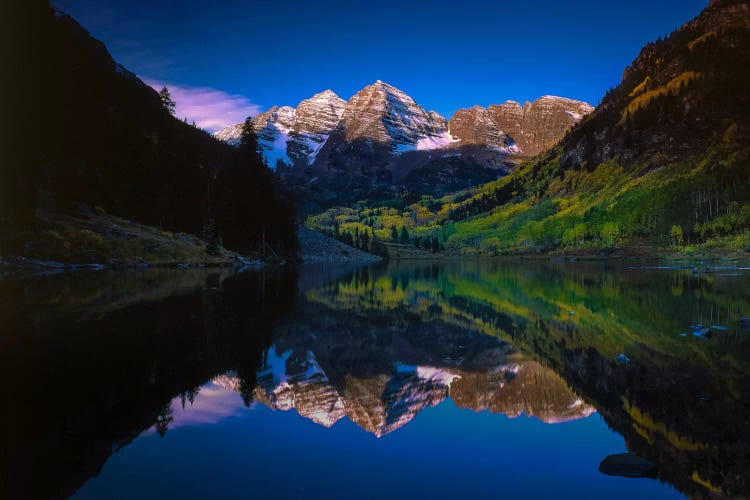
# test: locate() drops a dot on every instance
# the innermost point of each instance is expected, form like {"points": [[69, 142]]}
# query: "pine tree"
{"points": [[212, 242], [435, 245], [404, 236], [163, 420], [378, 248], [249, 143], [394, 234], [166, 100], [247, 207]]}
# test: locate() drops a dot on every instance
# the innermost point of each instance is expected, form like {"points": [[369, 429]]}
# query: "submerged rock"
{"points": [[701, 331], [627, 465], [622, 358]]}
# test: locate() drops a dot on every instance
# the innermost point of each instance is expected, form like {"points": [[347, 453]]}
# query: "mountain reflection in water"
{"points": [[97, 360]]}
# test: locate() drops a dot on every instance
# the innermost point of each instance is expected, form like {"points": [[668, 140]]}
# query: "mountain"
{"points": [[381, 139], [383, 114], [662, 162], [316, 119], [383, 403], [379, 113], [661, 166], [101, 137], [522, 130], [293, 135]]}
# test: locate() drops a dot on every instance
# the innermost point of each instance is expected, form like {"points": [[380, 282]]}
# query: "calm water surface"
{"points": [[463, 379]]}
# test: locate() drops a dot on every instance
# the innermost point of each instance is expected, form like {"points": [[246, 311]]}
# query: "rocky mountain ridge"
{"points": [[381, 122], [383, 403], [519, 130]]}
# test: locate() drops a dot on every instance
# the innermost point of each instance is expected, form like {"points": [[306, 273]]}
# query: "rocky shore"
{"points": [[317, 248]]}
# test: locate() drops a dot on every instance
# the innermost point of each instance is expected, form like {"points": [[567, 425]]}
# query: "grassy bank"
{"points": [[93, 237]]}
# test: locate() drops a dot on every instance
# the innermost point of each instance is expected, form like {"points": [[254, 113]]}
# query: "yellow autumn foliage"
{"points": [[641, 87], [701, 39], [672, 87], [704, 482], [645, 425]]}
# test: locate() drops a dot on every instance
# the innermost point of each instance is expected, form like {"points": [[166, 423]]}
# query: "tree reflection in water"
{"points": [[95, 360]]}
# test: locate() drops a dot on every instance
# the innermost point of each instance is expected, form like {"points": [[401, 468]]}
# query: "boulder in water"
{"points": [[701, 331], [627, 465], [622, 358]]}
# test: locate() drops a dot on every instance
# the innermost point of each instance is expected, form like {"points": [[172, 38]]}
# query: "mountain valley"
{"points": [[662, 166]]}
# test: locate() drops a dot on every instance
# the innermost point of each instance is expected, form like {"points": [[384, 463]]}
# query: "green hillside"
{"points": [[577, 319], [662, 165]]}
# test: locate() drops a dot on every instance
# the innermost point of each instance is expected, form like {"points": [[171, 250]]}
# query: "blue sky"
{"points": [[229, 58]]}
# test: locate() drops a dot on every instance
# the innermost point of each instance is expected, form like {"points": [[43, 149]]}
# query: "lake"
{"points": [[478, 378]]}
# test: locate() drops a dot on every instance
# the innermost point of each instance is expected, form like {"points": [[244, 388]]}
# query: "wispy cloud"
{"points": [[211, 109], [212, 405]]}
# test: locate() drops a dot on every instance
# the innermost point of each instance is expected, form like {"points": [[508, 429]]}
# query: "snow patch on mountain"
{"points": [[428, 373], [440, 141], [276, 366], [436, 375], [576, 116], [309, 145], [512, 149], [277, 150], [230, 135]]}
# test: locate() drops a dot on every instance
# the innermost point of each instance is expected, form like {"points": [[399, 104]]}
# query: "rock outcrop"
{"points": [[519, 130], [476, 126]]}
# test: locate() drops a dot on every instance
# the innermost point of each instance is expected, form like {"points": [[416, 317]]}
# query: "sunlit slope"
{"points": [[663, 163]]}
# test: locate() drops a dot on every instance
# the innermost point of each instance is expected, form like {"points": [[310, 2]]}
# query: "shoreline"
{"points": [[710, 264]]}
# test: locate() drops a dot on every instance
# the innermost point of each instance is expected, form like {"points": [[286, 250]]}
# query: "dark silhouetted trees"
{"points": [[251, 213], [404, 236], [107, 139], [166, 100]]}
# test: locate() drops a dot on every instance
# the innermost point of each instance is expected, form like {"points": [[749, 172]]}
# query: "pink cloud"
{"points": [[211, 109], [212, 404]]}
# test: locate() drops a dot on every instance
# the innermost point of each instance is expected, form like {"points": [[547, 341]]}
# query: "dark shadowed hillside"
{"points": [[92, 132]]}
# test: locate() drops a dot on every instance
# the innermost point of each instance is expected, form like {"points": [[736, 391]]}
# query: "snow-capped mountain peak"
{"points": [[387, 115], [317, 117], [293, 134], [381, 122]]}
